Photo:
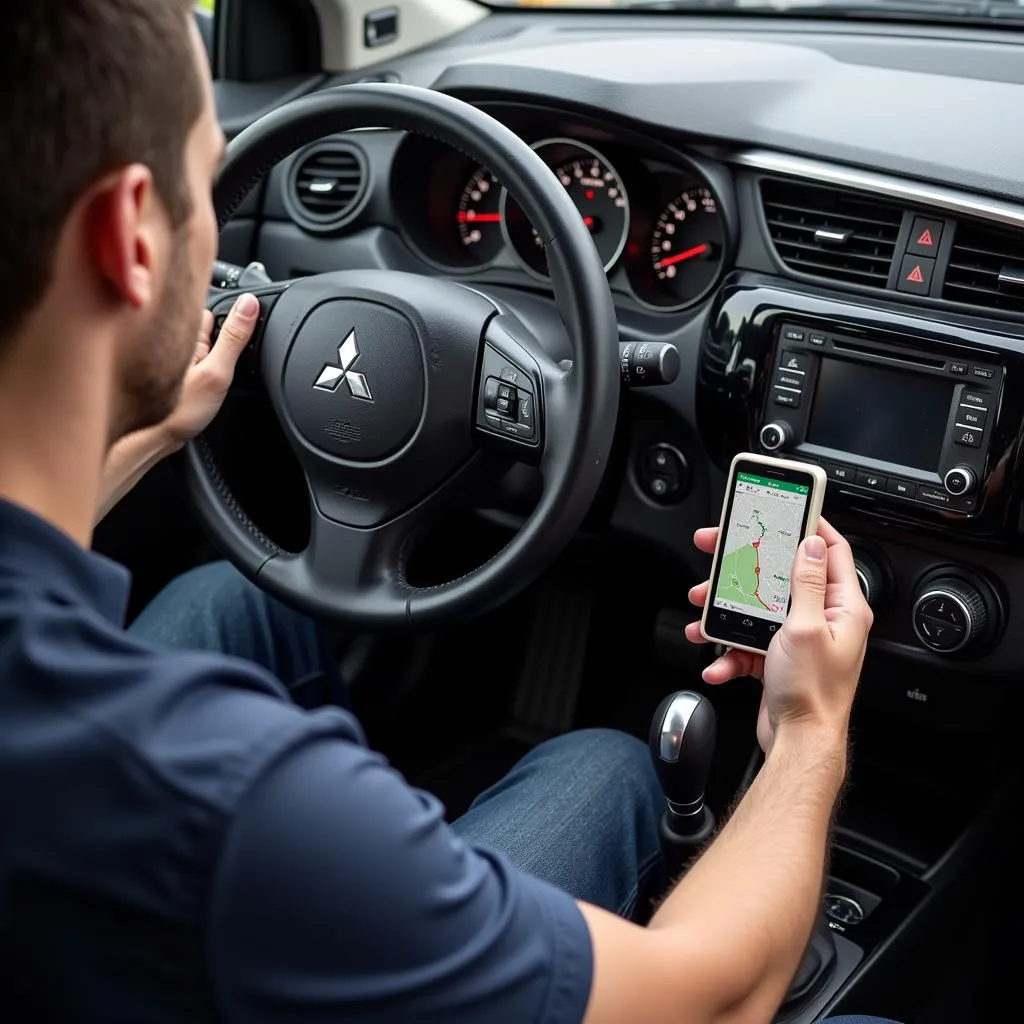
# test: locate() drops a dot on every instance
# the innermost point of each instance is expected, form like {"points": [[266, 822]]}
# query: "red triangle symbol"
{"points": [[915, 276], [925, 238]]}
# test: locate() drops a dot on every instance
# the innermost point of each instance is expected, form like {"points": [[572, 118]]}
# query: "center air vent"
{"points": [[828, 232], [326, 186], [986, 267]]}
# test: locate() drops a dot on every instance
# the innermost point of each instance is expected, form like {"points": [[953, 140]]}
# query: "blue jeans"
{"points": [[580, 810]]}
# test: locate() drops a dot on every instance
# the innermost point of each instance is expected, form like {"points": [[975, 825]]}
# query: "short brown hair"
{"points": [[86, 86]]}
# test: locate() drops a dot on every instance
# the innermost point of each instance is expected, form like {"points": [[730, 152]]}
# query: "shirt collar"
{"points": [[31, 549]]}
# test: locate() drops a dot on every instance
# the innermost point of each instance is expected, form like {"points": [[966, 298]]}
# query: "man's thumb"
{"points": [[808, 581], [236, 332]]}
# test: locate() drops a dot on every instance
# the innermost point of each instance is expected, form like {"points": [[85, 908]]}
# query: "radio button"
{"points": [[841, 473], [968, 416], [817, 339], [958, 368], [969, 437], [933, 495], [979, 399], [903, 488], [916, 275], [983, 372], [866, 478], [795, 361], [790, 399], [792, 333], [789, 380]]}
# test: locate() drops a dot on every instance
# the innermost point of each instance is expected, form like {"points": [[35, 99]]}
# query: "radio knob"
{"points": [[959, 480], [948, 614], [870, 578], [774, 436]]}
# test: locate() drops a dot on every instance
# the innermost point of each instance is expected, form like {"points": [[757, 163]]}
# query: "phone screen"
{"points": [[764, 524]]}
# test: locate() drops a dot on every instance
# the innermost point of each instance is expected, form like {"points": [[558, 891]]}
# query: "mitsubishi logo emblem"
{"points": [[334, 373]]}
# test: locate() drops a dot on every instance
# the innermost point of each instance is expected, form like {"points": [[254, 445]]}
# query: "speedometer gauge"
{"points": [[478, 217], [596, 189], [687, 244]]}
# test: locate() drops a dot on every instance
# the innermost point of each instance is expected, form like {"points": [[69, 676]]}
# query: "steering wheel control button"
{"points": [[925, 236], [959, 480], [354, 381], [916, 274], [773, 436], [664, 474], [948, 614], [507, 399]]}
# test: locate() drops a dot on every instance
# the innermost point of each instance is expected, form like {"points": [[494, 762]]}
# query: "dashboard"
{"points": [[827, 222]]}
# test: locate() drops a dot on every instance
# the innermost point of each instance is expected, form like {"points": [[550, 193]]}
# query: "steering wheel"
{"points": [[396, 391]]}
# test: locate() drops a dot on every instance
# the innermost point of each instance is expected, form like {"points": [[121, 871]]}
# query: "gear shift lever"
{"points": [[682, 743]]}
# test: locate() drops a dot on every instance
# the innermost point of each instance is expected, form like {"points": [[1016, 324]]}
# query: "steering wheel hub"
{"points": [[400, 394], [354, 380]]}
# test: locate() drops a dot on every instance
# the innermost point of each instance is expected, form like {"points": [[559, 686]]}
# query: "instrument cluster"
{"points": [[661, 221]]}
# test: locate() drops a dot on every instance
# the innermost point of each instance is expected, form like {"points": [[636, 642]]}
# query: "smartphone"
{"points": [[770, 506]]}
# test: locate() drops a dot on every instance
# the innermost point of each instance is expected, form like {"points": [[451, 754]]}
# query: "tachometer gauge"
{"points": [[596, 189], [687, 245], [479, 218]]}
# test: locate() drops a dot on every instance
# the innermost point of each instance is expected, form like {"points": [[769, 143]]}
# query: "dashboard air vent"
{"points": [[326, 186], [986, 267], [827, 232]]}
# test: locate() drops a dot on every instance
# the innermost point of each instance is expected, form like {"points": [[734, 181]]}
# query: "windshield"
{"points": [[927, 10]]}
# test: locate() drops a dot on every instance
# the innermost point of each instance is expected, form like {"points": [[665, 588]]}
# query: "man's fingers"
{"points": [[733, 665], [706, 538], [234, 335], [698, 595]]}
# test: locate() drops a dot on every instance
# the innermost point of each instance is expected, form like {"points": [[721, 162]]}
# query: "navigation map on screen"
{"points": [[761, 538]]}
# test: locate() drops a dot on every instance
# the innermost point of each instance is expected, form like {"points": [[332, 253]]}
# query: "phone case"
{"points": [[815, 502]]}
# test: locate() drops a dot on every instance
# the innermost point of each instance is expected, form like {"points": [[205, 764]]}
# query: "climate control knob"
{"points": [[959, 480], [774, 436], [948, 614]]}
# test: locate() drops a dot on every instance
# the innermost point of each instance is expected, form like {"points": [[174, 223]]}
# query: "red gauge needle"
{"points": [[478, 218], [686, 254]]}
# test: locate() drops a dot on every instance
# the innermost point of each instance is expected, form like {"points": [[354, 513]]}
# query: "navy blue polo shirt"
{"points": [[178, 842]]}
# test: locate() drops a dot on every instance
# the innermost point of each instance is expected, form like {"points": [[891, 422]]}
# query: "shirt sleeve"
{"points": [[343, 895]]}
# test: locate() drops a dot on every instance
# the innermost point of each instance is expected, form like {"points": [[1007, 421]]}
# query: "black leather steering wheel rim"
{"points": [[576, 461]]}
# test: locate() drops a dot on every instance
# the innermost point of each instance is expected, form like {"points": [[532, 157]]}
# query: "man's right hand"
{"points": [[813, 664]]}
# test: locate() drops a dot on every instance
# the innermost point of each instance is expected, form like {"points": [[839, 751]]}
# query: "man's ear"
{"points": [[124, 221]]}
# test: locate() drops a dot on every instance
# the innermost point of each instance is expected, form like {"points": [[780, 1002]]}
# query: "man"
{"points": [[180, 842]]}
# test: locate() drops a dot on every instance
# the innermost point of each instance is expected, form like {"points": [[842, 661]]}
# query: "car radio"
{"points": [[883, 417]]}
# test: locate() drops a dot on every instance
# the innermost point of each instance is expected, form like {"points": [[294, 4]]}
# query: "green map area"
{"points": [[738, 579]]}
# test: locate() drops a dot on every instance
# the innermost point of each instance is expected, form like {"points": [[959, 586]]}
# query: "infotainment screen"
{"points": [[883, 414]]}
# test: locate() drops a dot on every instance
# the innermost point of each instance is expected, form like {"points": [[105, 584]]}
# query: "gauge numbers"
{"points": [[598, 193], [478, 217], [686, 245]]}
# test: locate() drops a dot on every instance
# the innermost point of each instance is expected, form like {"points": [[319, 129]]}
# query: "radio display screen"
{"points": [[888, 415]]}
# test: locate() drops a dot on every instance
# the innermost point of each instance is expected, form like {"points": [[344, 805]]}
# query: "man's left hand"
{"points": [[210, 375]]}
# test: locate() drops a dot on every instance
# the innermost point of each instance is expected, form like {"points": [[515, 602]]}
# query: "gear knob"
{"points": [[682, 743]]}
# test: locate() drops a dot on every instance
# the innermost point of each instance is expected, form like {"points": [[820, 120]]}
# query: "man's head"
{"points": [[110, 146]]}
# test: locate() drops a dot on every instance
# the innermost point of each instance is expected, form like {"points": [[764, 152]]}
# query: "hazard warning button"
{"points": [[916, 275], [925, 236]]}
